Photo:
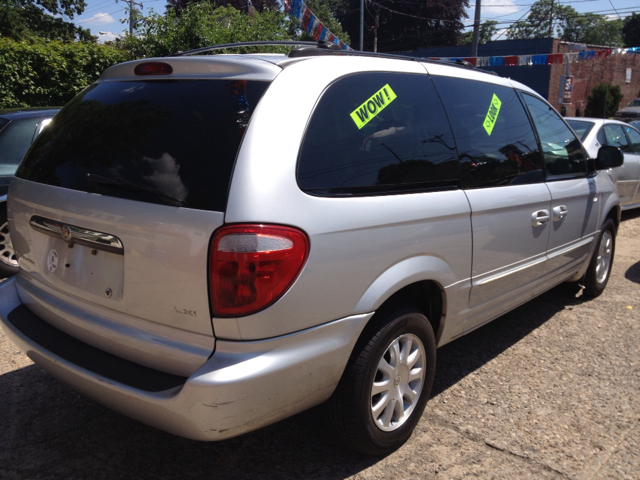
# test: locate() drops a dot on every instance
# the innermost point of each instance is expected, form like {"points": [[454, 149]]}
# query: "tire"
{"points": [[599, 268], [365, 409], [8, 260]]}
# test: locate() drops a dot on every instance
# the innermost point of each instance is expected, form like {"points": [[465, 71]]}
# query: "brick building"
{"points": [[619, 69]]}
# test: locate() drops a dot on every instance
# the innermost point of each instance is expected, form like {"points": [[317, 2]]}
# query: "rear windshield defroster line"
{"points": [[176, 141]]}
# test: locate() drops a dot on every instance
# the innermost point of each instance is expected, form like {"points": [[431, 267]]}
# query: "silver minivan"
{"points": [[212, 243]]}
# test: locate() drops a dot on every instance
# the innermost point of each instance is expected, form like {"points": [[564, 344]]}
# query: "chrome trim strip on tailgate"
{"points": [[82, 236]]}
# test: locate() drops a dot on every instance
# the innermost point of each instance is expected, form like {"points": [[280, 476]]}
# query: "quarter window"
{"points": [[378, 133], [496, 143], [562, 151]]}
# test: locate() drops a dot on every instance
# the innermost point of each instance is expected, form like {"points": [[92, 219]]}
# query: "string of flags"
{"points": [[310, 23], [548, 59]]}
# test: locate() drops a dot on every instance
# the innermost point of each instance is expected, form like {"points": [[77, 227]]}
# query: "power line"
{"points": [[94, 18]]}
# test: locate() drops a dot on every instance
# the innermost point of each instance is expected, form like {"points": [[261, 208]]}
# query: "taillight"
{"points": [[252, 266], [153, 68]]}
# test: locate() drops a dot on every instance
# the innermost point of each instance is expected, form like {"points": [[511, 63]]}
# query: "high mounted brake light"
{"points": [[153, 68], [252, 266]]}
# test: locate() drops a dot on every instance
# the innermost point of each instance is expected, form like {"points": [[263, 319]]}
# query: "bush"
{"points": [[601, 93], [38, 73]]}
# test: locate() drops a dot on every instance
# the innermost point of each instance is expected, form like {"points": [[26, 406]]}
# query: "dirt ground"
{"points": [[550, 390]]}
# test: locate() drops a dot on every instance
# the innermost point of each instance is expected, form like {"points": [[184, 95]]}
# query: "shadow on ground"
{"points": [[50, 431]]}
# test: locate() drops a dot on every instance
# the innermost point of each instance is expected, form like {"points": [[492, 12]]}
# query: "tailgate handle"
{"points": [[74, 234]]}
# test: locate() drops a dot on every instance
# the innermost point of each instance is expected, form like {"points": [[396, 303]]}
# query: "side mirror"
{"points": [[609, 157]]}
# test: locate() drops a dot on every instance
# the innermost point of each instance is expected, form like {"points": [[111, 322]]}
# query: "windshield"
{"points": [[581, 128], [166, 142]]}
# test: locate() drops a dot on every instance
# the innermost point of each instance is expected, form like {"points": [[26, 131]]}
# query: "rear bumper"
{"points": [[241, 387]]}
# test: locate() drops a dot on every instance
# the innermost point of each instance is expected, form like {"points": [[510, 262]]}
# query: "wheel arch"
{"points": [[417, 282]]}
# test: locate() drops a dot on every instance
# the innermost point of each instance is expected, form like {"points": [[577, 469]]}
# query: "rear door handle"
{"points": [[539, 218], [559, 212]]}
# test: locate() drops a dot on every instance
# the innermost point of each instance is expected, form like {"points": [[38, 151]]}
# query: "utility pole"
{"points": [[132, 4], [551, 21], [476, 30], [361, 25], [131, 19], [375, 31]]}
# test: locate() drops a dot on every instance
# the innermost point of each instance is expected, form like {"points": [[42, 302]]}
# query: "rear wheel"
{"points": [[599, 269], [8, 260], [387, 383]]}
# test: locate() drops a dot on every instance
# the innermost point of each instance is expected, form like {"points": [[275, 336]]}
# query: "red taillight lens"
{"points": [[153, 68], [252, 266]]}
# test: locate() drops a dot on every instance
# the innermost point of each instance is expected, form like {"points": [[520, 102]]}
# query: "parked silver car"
{"points": [[211, 244], [596, 132]]}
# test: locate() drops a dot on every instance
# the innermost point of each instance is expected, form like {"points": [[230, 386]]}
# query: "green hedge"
{"points": [[38, 73]]}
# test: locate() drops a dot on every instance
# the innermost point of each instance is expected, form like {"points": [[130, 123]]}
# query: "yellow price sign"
{"points": [[374, 105], [492, 114]]}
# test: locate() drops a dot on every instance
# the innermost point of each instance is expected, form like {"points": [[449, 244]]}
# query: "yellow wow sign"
{"points": [[492, 114], [374, 105]]}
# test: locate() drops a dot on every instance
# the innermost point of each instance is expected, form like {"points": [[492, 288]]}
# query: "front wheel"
{"points": [[387, 382], [599, 269]]}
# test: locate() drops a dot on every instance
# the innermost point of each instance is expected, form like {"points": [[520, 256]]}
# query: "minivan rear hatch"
{"points": [[114, 206]]}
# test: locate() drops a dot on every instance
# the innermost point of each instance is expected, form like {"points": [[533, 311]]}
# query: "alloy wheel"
{"points": [[398, 382], [7, 255]]}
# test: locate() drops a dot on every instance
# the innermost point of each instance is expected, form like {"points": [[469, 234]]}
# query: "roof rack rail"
{"points": [[308, 51], [292, 43], [321, 47]]}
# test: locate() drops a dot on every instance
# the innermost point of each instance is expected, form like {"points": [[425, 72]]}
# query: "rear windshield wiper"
{"points": [[121, 182]]}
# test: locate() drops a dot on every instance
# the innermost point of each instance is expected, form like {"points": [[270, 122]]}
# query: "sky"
{"points": [[103, 17]]}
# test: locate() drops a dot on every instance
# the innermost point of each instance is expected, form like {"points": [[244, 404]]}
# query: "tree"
{"points": [[603, 101], [21, 19], [202, 24], [405, 25], [545, 18], [241, 5], [487, 30], [593, 29], [631, 31]]}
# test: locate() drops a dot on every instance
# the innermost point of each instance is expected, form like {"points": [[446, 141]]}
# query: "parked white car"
{"points": [[596, 132]]}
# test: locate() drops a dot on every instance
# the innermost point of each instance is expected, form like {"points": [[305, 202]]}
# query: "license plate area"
{"points": [[74, 258], [85, 268]]}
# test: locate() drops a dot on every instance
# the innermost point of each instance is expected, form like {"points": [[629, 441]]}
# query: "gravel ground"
{"points": [[550, 390]]}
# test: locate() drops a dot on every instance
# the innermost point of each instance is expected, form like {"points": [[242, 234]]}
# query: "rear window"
{"points": [[165, 142], [581, 128]]}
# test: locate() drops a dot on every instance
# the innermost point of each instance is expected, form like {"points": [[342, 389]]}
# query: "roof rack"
{"points": [[291, 43], [321, 47]]}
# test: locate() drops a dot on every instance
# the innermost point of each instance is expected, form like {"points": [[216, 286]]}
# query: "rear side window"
{"points": [[165, 142], [563, 155], [377, 133], [15, 140], [495, 138]]}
